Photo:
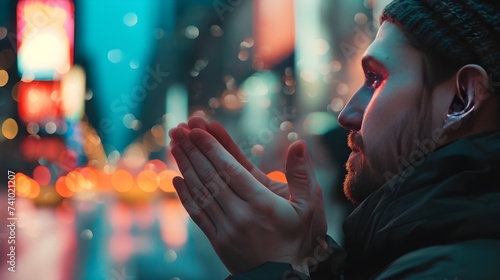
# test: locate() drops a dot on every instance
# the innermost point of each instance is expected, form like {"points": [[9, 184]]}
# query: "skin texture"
{"points": [[248, 218], [393, 112]]}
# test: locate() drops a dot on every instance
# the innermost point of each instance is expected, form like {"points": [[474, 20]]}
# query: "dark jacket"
{"points": [[438, 219]]}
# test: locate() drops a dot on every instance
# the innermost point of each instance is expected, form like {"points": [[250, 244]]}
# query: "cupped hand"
{"points": [[248, 218], [319, 224]]}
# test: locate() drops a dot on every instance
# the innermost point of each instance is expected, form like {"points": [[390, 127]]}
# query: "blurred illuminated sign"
{"points": [[40, 101], [45, 32], [73, 93], [50, 148], [274, 31]]}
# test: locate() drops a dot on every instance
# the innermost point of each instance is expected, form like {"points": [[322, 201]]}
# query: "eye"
{"points": [[373, 80]]}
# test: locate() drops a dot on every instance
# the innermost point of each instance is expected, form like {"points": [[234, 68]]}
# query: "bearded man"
{"points": [[424, 167]]}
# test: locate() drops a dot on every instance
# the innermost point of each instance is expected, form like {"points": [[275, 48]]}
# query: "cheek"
{"points": [[385, 109], [383, 120]]}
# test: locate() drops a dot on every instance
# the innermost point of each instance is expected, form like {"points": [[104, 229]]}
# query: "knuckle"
{"points": [[231, 168], [209, 175], [193, 211], [190, 149], [213, 187], [201, 196]]}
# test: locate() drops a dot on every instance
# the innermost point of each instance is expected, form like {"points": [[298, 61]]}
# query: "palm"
{"points": [[319, 225]]}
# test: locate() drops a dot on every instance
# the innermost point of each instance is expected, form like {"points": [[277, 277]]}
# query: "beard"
{"points": [[361, 180], [367, 169]]}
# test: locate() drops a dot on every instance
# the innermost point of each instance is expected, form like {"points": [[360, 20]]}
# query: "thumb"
{"points": [[298, 176]]}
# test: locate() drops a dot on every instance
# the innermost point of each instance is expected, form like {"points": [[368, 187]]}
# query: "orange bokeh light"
{"points": [[23, 185], [165, 180], [73, 181], [26, 187], [62, 189], [88, 178], [122, 181], [34, 189], [155, 165], [277, 176], [147, 181], [103, 180]]}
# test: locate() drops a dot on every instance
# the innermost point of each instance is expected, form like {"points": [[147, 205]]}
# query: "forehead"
{"points": [[391, 47]]}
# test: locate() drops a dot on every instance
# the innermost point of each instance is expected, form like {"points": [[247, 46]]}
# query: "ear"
{"points": [[471, 88]]}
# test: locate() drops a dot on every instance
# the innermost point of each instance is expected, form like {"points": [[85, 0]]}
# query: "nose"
{"points": [[351, 116]]}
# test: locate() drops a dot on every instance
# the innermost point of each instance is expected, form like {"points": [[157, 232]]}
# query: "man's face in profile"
{"points": [[389, 114]]}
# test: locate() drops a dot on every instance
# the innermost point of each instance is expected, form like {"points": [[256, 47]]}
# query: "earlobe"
{"points": [[470, 84]]}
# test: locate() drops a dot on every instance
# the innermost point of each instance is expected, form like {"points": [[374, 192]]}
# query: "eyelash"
{"points": [[373, 80]]}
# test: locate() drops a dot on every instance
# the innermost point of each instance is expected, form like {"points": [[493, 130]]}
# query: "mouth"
{"points": [[355, 142]]}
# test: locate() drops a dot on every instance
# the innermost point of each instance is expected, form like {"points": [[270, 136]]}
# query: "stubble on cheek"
{"points": [[368, 164]]}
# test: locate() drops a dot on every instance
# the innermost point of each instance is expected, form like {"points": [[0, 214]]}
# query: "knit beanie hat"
{"points": [[458, 31]]}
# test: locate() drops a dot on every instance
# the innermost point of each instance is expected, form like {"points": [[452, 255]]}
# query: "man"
{"points": [[425, 165]]}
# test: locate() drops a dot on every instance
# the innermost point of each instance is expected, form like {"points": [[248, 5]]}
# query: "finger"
{"points": [[206, 175], [183, 125], [241, 181], [197, 213], [298, 176], [199, 192], [218, 131], [197, 122], [317, 192], [173, 142], [316, 187]]}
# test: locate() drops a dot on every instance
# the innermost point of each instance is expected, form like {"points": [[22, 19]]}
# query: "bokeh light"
{"points": [[4, 78], [88, 178], [41, 174], [165, 180], [62, 189], [277, 176], [74, 180], [122, 181], [9, 128], [23, 185], [130, 19], [147, 181]]}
